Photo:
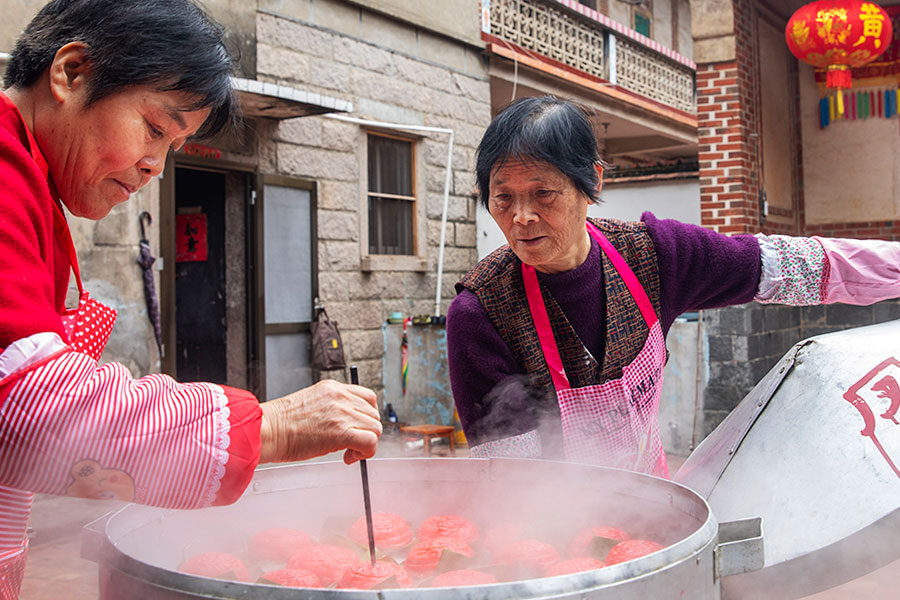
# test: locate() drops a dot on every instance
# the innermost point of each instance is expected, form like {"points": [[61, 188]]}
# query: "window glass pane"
{"points": [[391, 220], [642, 24], [287, 364], [390, 166], [390, 226], [288, 254]]}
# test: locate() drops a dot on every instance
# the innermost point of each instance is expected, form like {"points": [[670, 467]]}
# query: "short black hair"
{"points": [[544, 128], [172, 45]]}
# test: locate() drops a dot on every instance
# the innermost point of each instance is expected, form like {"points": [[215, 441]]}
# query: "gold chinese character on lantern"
{"points": [[847, 34], [873, 20], [861, 55], [833, 26], [800, 33]]}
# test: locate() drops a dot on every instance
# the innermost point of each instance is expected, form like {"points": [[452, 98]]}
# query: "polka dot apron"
{"points": [[87, 327]]}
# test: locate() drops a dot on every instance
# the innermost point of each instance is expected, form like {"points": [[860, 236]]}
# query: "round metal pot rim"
{"points": [[131, 518]]}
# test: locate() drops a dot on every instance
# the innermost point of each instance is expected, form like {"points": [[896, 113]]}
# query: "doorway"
{"points": [[200, 324], [205, 280], [238, 300]]}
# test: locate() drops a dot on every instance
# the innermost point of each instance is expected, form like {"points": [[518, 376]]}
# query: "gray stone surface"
{"points": [[287, 8], [746, 341], [441, 50], [385, 285], [424, 74], [390, 113], [307, 132], [285, 64], [388, 32], [338, 225], [329, 75], [364, 55], [339, 195], [336, 15], [338, 256], [315, 163], [711, 18], [289, 34], [464, 234]]}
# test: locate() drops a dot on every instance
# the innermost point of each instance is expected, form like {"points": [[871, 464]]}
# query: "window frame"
{"points": [[645, 12], [393, 262]]}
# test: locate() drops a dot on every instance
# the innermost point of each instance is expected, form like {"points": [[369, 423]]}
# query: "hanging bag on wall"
{"points": [[327, 348]]}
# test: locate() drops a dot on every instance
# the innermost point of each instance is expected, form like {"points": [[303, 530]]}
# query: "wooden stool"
{"points": [[429, 431]]}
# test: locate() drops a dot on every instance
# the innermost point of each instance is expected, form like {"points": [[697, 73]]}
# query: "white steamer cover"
{"points": [[815, 450]]}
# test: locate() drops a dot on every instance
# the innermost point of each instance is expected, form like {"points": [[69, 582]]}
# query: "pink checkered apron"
{"points": [[88, 327], [615, 423]]}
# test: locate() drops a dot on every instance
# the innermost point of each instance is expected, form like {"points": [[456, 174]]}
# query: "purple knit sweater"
{"points": [[698, 269]]}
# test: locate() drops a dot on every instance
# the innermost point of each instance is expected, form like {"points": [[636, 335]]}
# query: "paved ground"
{"points": [[55, 569]]}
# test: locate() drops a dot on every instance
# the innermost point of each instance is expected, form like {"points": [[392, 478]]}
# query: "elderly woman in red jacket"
{"points": [[97, 93]]}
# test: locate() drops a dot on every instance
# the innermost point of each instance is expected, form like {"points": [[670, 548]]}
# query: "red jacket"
{"points": [[67, 417]]}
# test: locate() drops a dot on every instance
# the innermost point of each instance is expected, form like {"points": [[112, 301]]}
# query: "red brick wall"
{"points": [[728, 133], [728, 107], [882, 230]]}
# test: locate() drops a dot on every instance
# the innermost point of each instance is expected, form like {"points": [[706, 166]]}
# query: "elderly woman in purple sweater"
{"points": [[556, 341]]}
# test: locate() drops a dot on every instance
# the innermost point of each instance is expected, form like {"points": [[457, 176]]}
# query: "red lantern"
{"points": [[837, 35]]}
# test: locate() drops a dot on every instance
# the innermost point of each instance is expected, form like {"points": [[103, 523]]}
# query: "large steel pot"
{"points": [[138, 548]]}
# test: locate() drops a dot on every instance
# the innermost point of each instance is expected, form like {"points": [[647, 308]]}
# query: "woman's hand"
{"points": [[320, 419]]}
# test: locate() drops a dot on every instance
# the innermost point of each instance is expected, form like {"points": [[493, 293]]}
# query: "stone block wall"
{"points": [[393, 72], [746, 341]]}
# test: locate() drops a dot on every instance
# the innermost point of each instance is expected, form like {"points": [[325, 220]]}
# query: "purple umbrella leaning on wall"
{"points": [[146, 260]]}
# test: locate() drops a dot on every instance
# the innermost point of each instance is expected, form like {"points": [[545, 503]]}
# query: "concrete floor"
{"points": [[56, 570]]}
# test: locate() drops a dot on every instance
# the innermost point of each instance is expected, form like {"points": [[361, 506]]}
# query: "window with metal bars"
{"points": [[391, 193]]}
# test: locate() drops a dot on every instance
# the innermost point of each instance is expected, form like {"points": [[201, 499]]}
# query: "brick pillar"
{"points": [[728, 133]]}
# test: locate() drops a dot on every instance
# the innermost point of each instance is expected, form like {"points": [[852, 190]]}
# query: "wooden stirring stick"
{"points": [[364, 471]]}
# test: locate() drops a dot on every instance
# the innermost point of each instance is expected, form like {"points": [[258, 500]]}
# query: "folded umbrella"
{"points": [[146, 260]]}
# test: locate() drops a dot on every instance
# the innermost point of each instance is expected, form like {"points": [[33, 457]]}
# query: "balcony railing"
{"points": [[548, 28]]}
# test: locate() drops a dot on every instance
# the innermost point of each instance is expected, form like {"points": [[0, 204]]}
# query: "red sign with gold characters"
{"points": [[837, 35], [190, 238]]}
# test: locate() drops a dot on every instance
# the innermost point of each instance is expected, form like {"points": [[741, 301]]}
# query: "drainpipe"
{"points": [[447, 177]]}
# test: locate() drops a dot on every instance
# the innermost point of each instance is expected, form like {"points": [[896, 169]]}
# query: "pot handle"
{"points": [[740, 547], [93, 537]]}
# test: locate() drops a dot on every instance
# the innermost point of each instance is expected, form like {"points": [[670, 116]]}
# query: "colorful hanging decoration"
{"points": [[404, 355], [837, 35], [859, 105]]}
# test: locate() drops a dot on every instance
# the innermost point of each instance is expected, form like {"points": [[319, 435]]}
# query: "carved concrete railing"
{"points": [[644, 71], [551, 28]]}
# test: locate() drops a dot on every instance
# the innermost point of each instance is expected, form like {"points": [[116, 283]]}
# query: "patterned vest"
{"points": [[497, 281]]}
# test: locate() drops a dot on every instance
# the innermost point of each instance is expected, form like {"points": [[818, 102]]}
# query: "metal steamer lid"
{"points": [[814, 449]]}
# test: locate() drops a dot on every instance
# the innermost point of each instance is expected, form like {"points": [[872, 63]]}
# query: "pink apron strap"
{"points": [[542, 320], [544, 331], [627, 275]]}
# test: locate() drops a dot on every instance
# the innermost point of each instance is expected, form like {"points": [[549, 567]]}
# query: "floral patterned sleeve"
{"points": [[801, 271]]}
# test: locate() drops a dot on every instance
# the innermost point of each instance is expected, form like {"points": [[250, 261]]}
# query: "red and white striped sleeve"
{"points": [[69, 426]]}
